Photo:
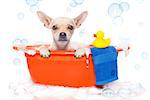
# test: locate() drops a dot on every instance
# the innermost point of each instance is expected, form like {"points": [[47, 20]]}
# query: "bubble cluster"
{"points": [[107, 92], [33, 5], [74, 3], [115, 10], [20, 16], [20, 42], [123, 91]]}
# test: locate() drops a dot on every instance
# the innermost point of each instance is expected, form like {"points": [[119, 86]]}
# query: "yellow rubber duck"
{"points": [[100, 42]]}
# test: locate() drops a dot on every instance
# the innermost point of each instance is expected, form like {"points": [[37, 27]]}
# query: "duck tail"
{"points": [[108, 40]]}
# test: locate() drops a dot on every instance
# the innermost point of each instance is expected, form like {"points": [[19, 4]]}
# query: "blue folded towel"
{"points": [[105, 64]]}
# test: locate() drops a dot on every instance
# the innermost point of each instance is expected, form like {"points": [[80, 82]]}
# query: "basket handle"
{"points": [[53, 52]]}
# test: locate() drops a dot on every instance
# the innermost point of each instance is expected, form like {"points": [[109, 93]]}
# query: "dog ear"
{"points": [[44, 18], [80, 19]]}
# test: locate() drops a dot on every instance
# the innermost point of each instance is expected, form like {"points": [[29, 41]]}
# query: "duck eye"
{"points": [[54, 27], [70, 27]]}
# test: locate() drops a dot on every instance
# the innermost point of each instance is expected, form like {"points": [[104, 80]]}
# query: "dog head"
{"points": [[62, 27]]}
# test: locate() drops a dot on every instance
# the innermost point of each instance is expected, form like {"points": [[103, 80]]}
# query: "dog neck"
{"points": [[56, 47]]}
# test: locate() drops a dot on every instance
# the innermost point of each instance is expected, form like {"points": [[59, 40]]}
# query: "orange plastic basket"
{"points": [[62, 68]]}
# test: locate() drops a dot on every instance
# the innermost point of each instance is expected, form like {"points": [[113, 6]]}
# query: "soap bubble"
{"points": [[124, 93], [32, 2], [82, 31], [108, 92], [11, 86], [34, 8], [16, 61], [138, 89], [33, 5], [20, 42], [79, 2], [94, 91], [24, 41], [69, 10], [20, 90], [72, 4], [140, 1], [115, 10], [117, 21], [144, 55], [140, 24], [31, 52], [124, 6], [137, 66], [17, 42], [20, 16], [37, 88]]}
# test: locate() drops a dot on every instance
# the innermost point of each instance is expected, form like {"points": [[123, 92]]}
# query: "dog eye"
{"points": [[54, 27], [70, 27]]}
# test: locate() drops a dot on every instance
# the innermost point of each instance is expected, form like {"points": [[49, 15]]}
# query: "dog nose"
{"points": [[62, 34]]}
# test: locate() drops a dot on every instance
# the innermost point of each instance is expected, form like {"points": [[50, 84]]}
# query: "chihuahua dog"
{"points": [[62, 30]]}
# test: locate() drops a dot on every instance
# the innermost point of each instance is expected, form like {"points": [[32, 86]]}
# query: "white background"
{"points": [[19, 21]]}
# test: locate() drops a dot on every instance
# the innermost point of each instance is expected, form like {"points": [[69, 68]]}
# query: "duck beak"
{"points": [[94, 35]]}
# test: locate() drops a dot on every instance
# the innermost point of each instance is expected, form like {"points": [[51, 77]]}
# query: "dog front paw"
{"points": [[79, 53], [44, 52]]}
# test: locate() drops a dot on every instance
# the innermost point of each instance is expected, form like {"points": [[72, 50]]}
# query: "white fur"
{"points": [[62, 24]]}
